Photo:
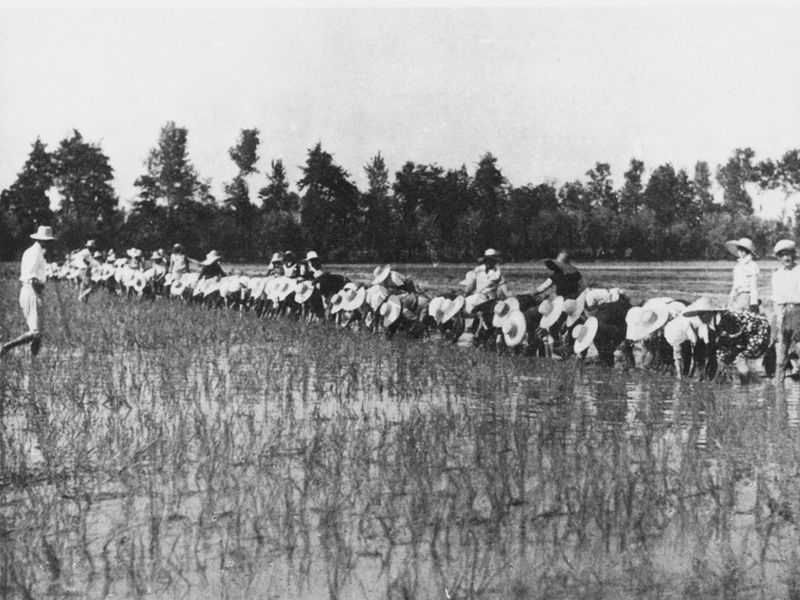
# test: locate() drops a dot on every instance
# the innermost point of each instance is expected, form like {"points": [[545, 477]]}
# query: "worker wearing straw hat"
{"points": [[744, 293], [211, 267], [786, 300], [33, 274], [276, 264], [311, 267]]}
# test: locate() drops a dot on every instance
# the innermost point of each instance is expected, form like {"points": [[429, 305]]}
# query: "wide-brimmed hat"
{"points": [[43, 234], [285, 288], [551, 310], [502, 309], [178, 248], [514, 327], [704, 304], [276, 257], [784, 246], [303, 291], [584, 334], [134, 252], [574, 308], [391, 310], [490, 253], [380, 274], [642, 321], [311, 255], [745, 243], [90, 244], [560, 266], [353, 298], [211, 258], [455, 306], [156, 256], [436, 307], [376, 295], [97, 255], [111, 257]]}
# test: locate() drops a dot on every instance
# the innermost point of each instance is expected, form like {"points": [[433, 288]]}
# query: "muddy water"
{"points": [[218, 474]]}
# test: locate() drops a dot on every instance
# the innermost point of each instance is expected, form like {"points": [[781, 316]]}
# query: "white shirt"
{"points": [[745, 278], [33, 265], [487, 280], [786, 286]]}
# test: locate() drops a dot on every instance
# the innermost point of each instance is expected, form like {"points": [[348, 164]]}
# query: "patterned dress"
{"points": [[742, 333]]}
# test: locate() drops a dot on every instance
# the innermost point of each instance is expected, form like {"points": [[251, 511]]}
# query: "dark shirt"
{"points": [[212, 270], [567, 285]]}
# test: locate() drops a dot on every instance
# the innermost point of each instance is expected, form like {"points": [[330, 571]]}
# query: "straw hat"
{"points": [[156, 256], [380, 274], [43, 234], [502, 310], [138, 281], [551, 310], [584, 334], [514, 328], [211, 258], [574, 308], [134, 252], [490, 253], [784, 246], [376, 295], [435, 307], [455, 306], [311, 255], [285, 288], [303, 291], [390, 310], [746, 243], [704, 304], [276, 257], [336, 302], [643, 321], [90, 244], [353, 298]]}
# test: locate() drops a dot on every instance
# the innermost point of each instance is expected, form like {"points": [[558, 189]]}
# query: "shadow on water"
{"points": [[286, 461]]}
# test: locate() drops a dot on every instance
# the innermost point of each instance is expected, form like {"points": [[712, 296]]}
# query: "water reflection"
{"points": [[256, 474]]}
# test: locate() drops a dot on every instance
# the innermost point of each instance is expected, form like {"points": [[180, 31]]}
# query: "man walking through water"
{"points": [[33, 273]]}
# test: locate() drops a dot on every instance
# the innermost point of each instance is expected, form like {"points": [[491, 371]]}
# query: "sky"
{"points": [[548, 91]]}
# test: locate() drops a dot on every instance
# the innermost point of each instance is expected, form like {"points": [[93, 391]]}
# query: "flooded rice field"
{"points": [[158, 450]]}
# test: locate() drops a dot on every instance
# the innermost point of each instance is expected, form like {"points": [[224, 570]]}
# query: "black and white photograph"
{"points": [[399, 301]]}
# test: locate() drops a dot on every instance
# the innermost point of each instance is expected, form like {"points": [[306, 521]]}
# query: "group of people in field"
{"points": [[558, 318]]}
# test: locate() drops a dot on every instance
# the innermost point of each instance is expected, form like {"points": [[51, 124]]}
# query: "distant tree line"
{"points": [[423, 213]]}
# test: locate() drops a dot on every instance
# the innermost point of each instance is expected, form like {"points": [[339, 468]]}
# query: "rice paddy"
{"points": [[163, 450]]}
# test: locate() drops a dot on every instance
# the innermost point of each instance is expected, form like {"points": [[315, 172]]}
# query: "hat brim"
{"points": [[379, 277], [391, 310], [514, 328], [549, 319], [699, 311], [303, 293], [580, 306], [41, 238], [584, 335], [636, 331], [356, 302], [734, 245], [455, 307]]}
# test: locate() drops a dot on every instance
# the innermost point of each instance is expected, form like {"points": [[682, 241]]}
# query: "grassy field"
{"points": [[160, 450]]}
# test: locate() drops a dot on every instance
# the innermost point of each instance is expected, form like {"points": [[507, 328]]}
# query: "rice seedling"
{"points": [[161, 449]]}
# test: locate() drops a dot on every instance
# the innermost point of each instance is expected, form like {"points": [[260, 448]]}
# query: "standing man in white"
{"points": [[33, 274]]}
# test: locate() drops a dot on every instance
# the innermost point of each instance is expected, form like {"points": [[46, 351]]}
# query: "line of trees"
{"points": [[423, 213]]}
